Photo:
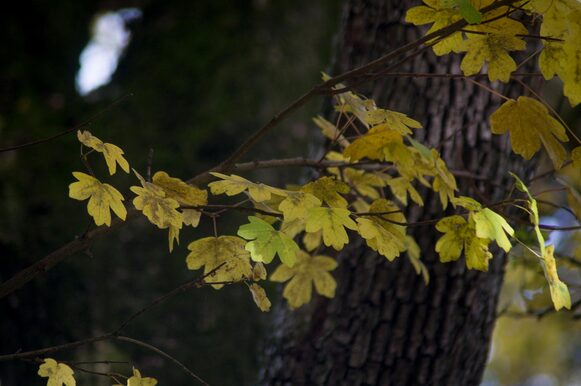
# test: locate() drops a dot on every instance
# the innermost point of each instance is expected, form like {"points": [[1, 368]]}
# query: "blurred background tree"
{"points": [[194, 79]]}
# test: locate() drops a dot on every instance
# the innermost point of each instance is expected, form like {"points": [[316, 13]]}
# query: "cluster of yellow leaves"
{"points": [[233, 185], [472, 235], [308, 271], [58, 374], [488, 42]]}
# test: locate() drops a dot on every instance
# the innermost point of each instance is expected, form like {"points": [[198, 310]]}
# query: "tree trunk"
{"points": [[385, 326]]}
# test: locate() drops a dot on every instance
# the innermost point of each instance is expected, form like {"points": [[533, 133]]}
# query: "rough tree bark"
{"points": [[384, 326]]}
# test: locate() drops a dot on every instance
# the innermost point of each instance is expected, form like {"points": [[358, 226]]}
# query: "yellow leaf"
{"points": [[373, 143], [381, 235], [530, 124], [312, 240], [259, 297], [58, 373], [267, 242], [332, 223], [328, 189], [226, 252], [444, 182], [365, 183], [191, 217], [102, 198], [233, 185], [138, 380], [156, 206], [401, 187], [295, 205], [330, 131], [441, 14], [490, 44], [559, 291], [173, 235], [306, 272], [113, 154], [393, 120], [491, 225], [185, 194], [413, 253], [458, 235]]}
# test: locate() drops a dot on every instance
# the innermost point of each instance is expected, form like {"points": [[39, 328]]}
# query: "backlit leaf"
{"points": [[102, 198], [226, 252], [58, 373], [113, 154], [307, 271], [259, 297], [332, 222], [530, 125], [267, 242], [233, 185], [329, 190]]}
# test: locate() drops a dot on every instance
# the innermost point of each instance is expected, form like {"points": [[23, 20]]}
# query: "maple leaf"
{"points": [[491, 225], [267, 242], [559, 291], [258, 272], [307, 271], [180, 191], [530, 124], [413, 254], [259, 297], [138, 380], [380, 233], [444, 182], [461, 235], [295, 205], [490, 43], [373, 143], [328, 189], [313, 240], [401, 187], [365, 183], [393, 120], [58, 373], [533, 211], [562, 56], [233, 185], [441, 14], [102, 198], [211, 252], [332, 223], [330, 131], [113, 154], [156, 206]]}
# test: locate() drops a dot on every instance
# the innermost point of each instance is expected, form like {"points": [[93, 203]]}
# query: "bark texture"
{"points": [[385, 326]]}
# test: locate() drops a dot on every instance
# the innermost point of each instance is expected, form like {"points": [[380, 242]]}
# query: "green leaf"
{"points": [[468, 12], [267, 242]]}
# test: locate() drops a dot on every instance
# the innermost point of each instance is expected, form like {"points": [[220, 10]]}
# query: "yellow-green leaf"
{"points": [[461, 235], [490, 44], [138, 380], [295, 205], [233, 185], [306, 272], [226, 252], [113, 154], [332, 222], [156, 206], [530, 124], [393, 120], [58, 373], [267, 242], [491, 225], [180, 191], [380, 233], [373, 143], [329, 190], [559, 291], [102, 198]]}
